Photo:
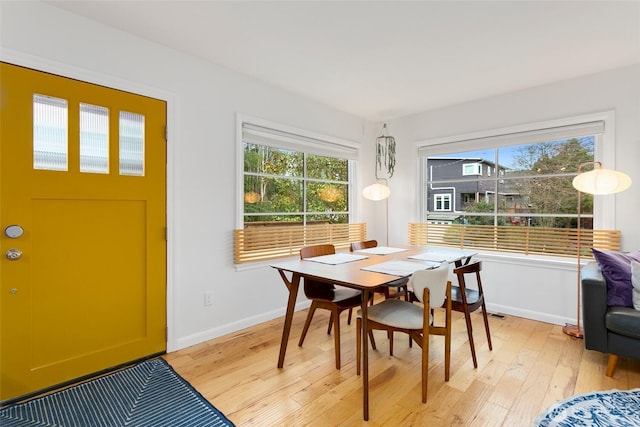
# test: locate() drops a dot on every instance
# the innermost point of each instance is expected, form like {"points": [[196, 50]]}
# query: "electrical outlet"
{"points": [[208, 298]]}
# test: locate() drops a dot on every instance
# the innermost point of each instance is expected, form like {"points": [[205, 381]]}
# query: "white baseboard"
{"points": [[528, 314], [210, 334], [229, 328]]}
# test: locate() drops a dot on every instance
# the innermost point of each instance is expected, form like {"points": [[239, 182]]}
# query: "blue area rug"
{"points": [[148, 394], [614, 408]]}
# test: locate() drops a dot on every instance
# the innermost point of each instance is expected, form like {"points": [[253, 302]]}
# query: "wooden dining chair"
{"points": [[433, 290], [395, 289], [327, 296], [467, 301]]}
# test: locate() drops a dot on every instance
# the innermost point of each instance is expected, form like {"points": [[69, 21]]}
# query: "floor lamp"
{"points": [[598, 181], [385, 156]]}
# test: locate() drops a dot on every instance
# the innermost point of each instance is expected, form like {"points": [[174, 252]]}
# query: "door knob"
{"points": [[13, 254]]}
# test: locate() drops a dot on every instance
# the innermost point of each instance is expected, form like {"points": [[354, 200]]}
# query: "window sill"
{"points": [[560, 263]]}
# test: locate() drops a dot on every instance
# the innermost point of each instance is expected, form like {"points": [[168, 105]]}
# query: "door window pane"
{"points": [[94, 139], [50, 133], [131, 144]]}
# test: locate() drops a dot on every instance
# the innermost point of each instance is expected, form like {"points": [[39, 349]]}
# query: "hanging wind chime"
{"points": [[385, 152]]}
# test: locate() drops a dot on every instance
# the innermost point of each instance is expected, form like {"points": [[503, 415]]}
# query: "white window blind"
{"points": [[319, 145], [512, 138]]}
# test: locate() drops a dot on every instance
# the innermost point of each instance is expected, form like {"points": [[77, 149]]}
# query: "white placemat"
{"points": [[442, 256], [381, 250], [334, 259], [400, 268]]}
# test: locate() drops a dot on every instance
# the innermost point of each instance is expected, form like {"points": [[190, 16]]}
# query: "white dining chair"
{"points": [[433, 290]]}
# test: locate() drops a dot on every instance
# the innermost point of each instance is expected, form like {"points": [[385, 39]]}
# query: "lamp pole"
{"points": [[597, 181], [386, 215], [576, 330]]}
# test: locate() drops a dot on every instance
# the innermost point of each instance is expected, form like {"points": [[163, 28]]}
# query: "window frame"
{"points": [[309, 142], [603, 211], [443, 198], [477, 166]]}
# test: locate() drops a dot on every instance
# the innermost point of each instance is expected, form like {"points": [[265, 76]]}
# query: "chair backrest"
{"points": [[356, 246], [313, 288], [436, 280], [472, 268], [317, 250]]}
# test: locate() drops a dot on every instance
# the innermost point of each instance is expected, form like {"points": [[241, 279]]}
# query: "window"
{"points": [[528, 185], [51, 138], [50, 133], [467, 198], [131, 144], [472, 169], [296, 190], [94, 139], [442, 202]]}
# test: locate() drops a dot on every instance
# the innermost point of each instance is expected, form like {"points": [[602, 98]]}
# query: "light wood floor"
{"points": [[532, 366]]}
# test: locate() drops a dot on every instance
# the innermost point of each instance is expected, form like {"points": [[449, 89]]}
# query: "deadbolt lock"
{"points": [[13, 254]]}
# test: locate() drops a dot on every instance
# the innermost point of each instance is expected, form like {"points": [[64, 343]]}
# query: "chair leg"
{"points": [[611, 364], [390, 333], [447, 350], [349, 318], [425, 365], [467, 317], [336, 336], [358, 344], [486, 325], [330, 323], [307, 322], [373, 341]]}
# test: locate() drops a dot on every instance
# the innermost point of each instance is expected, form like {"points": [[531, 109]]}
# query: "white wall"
{"points": [[203, 100], [527, 286]]}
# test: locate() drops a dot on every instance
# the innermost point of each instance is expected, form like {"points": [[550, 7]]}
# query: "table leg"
{"points": [[293, 287], [365, 356]]}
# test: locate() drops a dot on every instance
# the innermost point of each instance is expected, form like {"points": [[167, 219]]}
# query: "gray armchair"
{"points": [[611, 330]]}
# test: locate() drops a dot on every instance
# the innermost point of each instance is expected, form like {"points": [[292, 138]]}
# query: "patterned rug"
{"points": [[614, 408], [148, 394]]}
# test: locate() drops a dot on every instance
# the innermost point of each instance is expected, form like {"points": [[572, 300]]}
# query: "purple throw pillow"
{"points": [[616, 269]]}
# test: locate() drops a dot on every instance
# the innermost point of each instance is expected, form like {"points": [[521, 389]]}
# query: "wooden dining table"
{"points": [[356, 274]]}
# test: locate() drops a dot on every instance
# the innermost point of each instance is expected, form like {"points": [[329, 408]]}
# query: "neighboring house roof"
{"points": [[469, 159]]}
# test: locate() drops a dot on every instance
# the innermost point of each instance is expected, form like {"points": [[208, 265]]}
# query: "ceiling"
{"points": [[387, 59]]}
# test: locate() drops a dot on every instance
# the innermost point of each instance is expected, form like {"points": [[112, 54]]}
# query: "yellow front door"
{"points": [[82, 223]]}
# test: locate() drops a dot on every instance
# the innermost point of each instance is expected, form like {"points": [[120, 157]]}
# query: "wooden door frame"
{"points": [[96, 77]]}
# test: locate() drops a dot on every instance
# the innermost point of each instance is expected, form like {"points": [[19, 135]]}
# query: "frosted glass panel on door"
{"points": [[94, 139], [131, 144], [50, 133]]}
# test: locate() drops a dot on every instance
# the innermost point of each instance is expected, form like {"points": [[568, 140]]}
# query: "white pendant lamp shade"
{"points": [[601, 181], [376, 191]]}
